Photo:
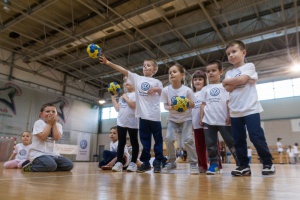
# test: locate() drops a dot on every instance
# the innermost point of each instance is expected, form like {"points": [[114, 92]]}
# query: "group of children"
{"points": [[292, 152], [228, 107]]}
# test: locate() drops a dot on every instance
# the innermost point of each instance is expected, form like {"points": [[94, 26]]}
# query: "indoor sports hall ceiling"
{"points": [[46, 37]]}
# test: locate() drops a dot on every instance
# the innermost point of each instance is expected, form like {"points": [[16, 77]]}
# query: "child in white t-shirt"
{"points": [[179, 120], [249, 153], [147, 94], [290, 152], [20, 153], [215, 116], [126, 121], [43, 156], [245, 110], [280, 149]]}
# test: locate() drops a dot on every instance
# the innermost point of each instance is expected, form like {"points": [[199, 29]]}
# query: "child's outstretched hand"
{"points": [[103, 59]]}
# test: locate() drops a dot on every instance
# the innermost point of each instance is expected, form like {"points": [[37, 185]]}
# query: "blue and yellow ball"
{"points": [[93, 50], [181, 103], [114, 88]]}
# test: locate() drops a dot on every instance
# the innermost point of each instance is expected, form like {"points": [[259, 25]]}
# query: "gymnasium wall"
{"points": [[20, 106]]}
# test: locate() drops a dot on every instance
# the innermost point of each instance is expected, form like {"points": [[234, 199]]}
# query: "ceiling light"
{"points": [[102, 101], [296, 67]]}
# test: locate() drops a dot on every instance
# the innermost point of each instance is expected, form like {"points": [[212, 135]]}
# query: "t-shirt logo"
{"points": [[22, 152], [123, 101], [239, 74], [145, 86], [173, 98], [214, 92], [83, 144]]}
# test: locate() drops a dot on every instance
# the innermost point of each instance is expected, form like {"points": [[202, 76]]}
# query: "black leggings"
{"points": [[133, 134]]}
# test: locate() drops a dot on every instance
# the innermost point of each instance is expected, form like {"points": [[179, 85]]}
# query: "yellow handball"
{"points": [[113, 88], [180, 103], [93, 50]]}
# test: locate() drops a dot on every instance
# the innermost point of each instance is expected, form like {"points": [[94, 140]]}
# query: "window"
{"points": [[278, 89], [296, 86], [283, 89], [111, 113], [265, 91]]}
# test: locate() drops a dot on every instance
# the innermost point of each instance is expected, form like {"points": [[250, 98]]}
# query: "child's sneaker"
{"points": [[118, 167], [213, 169], [143, 168], [268, 170], [241, 171], [26, 166], [132, 167], [169, 166], [194, 169]]}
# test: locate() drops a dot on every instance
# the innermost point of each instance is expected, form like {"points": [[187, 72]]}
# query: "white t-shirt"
{"points": [[39, 147], [196, 111], [279, 147], [243, 100], [126, 116], [167, 96], [147, 106], [22, 152], [295, 148], [215, 111], [290, 152], [113, 146]]}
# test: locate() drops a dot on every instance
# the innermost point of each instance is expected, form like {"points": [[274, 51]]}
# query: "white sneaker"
{"points": [[118, 167], [168, 167], [194, 169], [132, 167]]}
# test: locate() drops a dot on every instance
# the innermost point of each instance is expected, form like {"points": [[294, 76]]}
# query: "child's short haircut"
{"points": [[114, 127], [241, 45], [46, 105], [216, 62], [155, 65]]}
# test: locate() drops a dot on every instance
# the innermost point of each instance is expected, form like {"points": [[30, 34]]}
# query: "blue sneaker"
{"points": [[213, 169], [143, 168]]}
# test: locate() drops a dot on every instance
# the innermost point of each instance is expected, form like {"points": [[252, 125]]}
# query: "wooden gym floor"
{"points": [[87, 182]]}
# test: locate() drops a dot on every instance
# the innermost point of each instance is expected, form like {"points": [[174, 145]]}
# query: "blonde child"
{"points": [[147, 94], [181, 120], [215, 116], [245, 110], [126, 121], [20, 153], [43, 156]]}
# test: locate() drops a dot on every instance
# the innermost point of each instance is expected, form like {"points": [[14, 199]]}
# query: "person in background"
{"points": [[280, 149], [20, 153], [249, 153]]}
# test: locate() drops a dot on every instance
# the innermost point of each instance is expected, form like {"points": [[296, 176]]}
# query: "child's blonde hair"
{"points": [[155, 65]]}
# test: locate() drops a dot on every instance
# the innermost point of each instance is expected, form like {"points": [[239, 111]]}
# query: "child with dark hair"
{"points": [[43, 156]]}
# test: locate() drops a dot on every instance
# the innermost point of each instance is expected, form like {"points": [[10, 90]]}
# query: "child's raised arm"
{"points": [[103, 60]]}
